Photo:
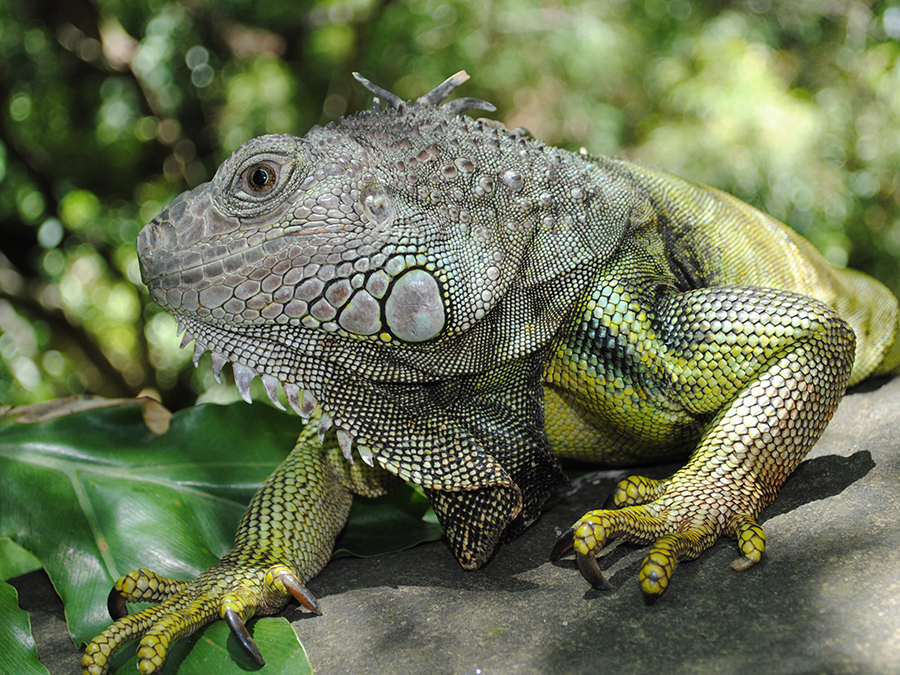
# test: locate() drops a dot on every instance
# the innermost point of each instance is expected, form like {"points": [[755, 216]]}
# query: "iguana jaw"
{"points": [[301, 399]]}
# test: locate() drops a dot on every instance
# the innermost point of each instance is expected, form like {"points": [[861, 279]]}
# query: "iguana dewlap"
{"points": [[459, 305]]}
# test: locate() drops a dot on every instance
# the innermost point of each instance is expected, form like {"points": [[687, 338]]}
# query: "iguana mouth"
{"points": [[301, 400]]}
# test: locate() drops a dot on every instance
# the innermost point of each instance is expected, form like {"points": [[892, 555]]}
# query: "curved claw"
{"points": [[116, 604], [300, 592], [650, 598], [240, 632], [742, 564], [590, 570], [609, 503], [563, 545]]}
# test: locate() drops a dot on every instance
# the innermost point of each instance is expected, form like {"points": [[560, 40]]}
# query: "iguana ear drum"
{"points": [[414, 309]]}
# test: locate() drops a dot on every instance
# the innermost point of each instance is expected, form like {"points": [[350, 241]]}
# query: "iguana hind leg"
{"points": [[774, 365], [285, 537]]}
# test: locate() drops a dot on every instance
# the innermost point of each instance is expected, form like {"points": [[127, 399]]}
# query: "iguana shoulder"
{"points": [[712, 238]]}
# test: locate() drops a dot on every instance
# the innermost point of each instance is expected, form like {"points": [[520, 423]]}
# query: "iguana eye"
{"points": [[260, 177], [377, 205]]}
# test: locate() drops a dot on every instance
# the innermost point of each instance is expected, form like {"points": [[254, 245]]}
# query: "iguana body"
{"points": [[460, 305]]}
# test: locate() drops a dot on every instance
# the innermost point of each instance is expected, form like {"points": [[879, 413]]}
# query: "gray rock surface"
{"points": [[825, 598]]}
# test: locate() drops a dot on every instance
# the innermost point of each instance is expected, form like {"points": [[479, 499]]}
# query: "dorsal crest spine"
{"points": [[432, 99]]}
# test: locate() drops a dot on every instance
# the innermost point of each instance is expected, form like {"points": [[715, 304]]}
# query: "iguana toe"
{"points": [[633, 491], [659, 564], [751, 540], [141, 586]]}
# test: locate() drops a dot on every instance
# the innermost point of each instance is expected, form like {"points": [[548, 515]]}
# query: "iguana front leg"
{"points": [[770, 368], [285, 538]]}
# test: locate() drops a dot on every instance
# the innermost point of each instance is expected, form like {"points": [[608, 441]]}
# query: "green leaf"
{"points": [[214, 650], [396, 521], [16, 643], [95, 494], [15, 560]]}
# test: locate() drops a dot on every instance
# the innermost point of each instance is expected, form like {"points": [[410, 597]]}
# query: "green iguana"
{"points": [[459, 305]]}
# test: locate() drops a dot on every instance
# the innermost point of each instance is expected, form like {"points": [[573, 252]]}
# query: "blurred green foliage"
{"points": [[110, 108]]}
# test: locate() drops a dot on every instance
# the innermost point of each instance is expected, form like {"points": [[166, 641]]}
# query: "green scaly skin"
{"points": [[463, 305]]}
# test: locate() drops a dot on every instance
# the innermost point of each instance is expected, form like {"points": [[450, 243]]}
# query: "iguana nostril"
{"points": [[147, 239], [157, 236]]}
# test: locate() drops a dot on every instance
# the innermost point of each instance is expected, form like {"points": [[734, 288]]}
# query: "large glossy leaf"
{"points": [[97, 493], [16, 643]]}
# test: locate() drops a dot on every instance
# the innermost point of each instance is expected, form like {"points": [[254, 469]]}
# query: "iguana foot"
{"points": [[232, 590], [681, 521], [285, 536]]}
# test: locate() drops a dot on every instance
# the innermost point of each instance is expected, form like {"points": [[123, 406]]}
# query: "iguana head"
{"points": [[404, 245]]}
